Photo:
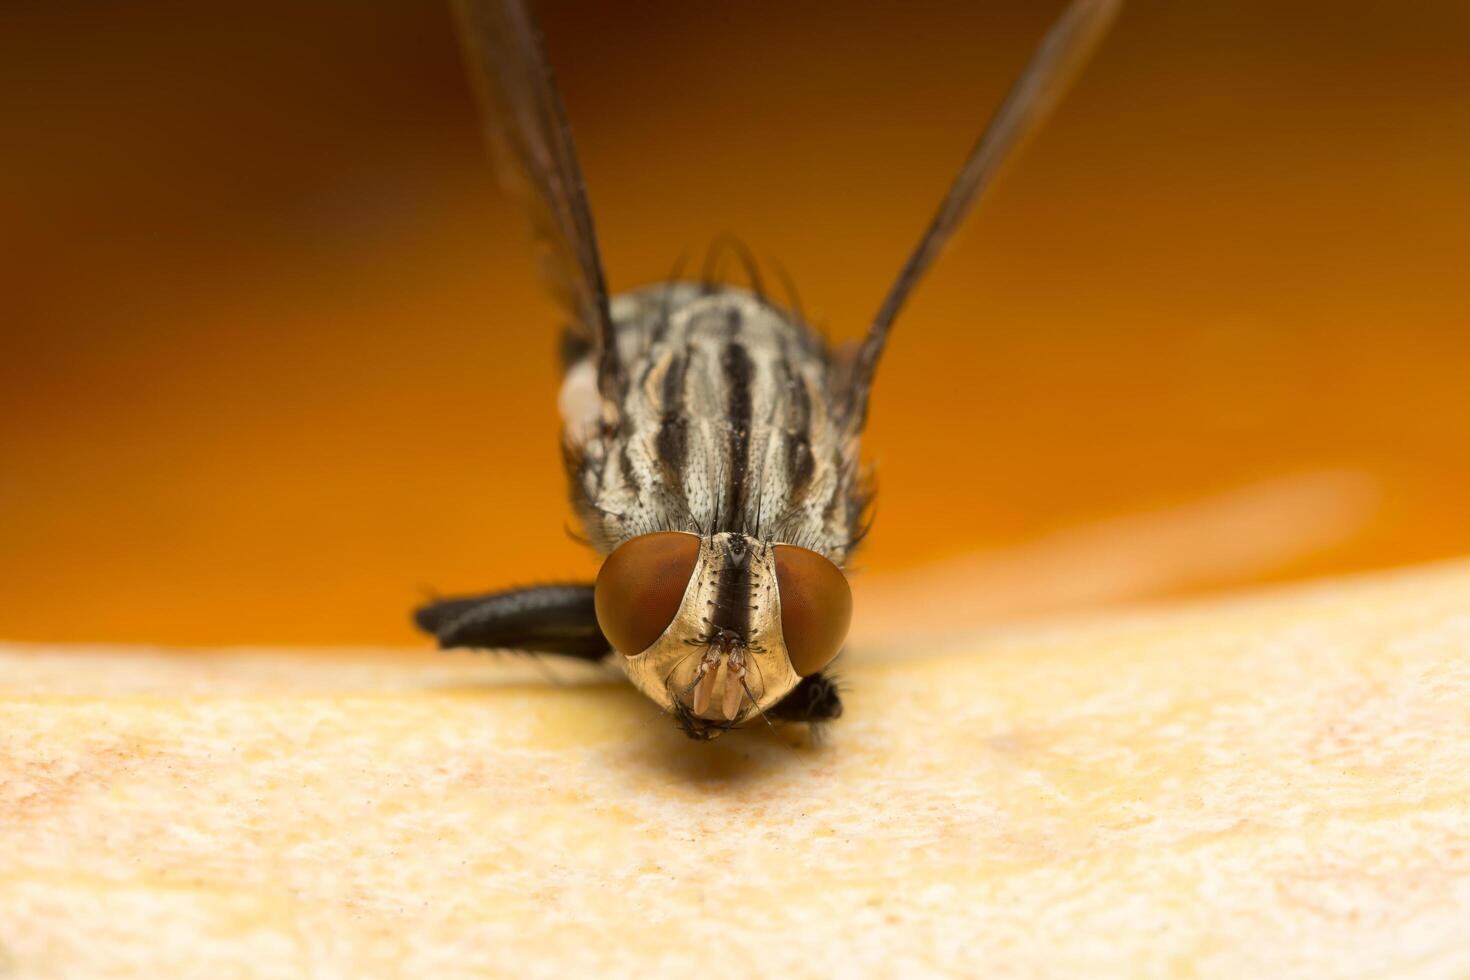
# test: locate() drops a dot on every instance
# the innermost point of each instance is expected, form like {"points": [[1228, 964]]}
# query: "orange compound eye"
{"points": [[816, 607], [641, 587]]}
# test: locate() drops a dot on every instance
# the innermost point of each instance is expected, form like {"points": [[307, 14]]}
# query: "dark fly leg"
{"points": [[557, 619], [815, 699]]}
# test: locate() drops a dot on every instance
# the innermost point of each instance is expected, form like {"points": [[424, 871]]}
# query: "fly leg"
{"points": [[559, 619], [815, 699]]}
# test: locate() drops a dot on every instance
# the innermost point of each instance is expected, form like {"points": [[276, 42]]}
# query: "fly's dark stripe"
{"points": [[800, 465], [629, 474], [736, 365], [672, 441], [836, 499], [732, 597], [799, 461]]}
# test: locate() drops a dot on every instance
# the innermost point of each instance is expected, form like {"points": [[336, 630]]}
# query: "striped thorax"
{"points": [[725, 422]]}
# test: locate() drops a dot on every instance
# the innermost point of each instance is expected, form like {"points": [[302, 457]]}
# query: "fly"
{"points": [[711, 437]]}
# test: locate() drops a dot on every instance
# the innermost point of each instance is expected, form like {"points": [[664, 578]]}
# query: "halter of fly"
{"points": [[712, 438]]}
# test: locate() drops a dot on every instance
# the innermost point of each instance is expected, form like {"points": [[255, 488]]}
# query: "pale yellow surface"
{"points": [[1270, 784]]}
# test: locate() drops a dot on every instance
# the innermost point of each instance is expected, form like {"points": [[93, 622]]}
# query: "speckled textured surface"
{"points": [[1276, 783]]}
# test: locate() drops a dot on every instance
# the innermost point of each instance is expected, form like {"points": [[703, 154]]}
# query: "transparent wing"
{"points": [[1062, 53], [532, 144]]}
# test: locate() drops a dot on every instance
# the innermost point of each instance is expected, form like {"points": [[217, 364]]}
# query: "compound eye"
{"points": [[816, 607], [641, 587]]}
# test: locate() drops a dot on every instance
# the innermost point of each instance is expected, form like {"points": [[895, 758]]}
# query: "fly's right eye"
{"points": [[641, 586], [816, 607]]}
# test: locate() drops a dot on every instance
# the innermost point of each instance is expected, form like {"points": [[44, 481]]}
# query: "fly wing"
{"points": [[532, 144], [1058, 59]]}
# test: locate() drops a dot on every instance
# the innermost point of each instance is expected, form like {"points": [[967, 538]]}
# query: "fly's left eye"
{"points": [[816, 607], [641, 586]]}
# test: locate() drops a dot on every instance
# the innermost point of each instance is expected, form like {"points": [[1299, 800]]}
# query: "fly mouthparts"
{"points": [[722, 660]]}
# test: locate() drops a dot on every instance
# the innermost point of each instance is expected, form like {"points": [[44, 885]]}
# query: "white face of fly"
{"points": [[722, 661]]}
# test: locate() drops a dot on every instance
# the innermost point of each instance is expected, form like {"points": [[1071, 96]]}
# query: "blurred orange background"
{"points": [[274, 361]]}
